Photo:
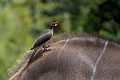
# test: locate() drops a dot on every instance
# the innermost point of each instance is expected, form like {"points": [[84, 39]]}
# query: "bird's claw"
{"points": [[47, 49], [46, 46]]}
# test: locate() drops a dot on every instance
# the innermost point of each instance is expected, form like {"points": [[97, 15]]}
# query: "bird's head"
{"points": [[54, 24]]}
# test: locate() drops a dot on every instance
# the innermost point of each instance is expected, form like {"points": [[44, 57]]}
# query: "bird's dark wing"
{"points": [[42, 39]]}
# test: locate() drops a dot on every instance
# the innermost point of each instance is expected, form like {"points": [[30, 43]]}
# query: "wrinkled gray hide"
{"points": [[75, 58]]}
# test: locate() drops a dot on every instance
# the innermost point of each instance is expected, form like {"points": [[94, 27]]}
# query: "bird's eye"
{"points": [[53, 24]]}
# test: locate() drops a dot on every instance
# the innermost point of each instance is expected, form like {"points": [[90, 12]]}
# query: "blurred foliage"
{"points": [[23, 21]]}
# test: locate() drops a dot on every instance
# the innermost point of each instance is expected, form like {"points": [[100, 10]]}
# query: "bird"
{"points": [[41, 41]]}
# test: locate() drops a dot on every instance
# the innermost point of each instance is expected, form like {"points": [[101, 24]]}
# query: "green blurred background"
{"points": [[23, 21]]}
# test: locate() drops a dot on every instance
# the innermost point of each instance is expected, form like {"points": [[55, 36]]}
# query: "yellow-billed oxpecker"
{"points": [[43, 39]]}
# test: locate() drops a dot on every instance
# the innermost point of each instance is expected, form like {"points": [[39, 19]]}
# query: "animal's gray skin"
{"points": [[74, 58]]}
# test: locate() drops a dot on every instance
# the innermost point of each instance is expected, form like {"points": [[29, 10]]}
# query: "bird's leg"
{"points": [[48, 45], [45, 47]]}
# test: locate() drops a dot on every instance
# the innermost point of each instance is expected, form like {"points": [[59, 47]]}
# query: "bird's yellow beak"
{"points": [[56, 23]]}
